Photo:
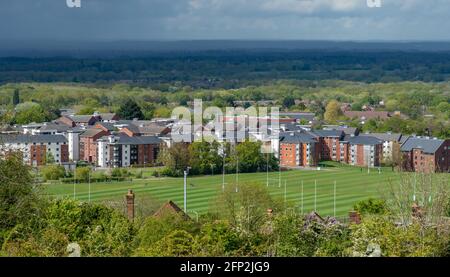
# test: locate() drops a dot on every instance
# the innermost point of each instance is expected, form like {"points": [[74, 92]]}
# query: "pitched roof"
{"points": [[297, 137], [429, 146], [298, 115], [329, 133], [107, 116], [59, 127], [20, 138], [80, 118], [91, 132], [345, 129], [385, 136], [367, 114], [170, 208], [108, 126], [364, 140], [141, 140]]}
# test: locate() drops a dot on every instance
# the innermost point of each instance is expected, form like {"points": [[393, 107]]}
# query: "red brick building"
{"points": [[88, 144], [363, 151], [299, 149], [329, 144], [426, 155]]}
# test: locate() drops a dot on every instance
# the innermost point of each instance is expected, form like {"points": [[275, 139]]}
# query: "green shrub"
{"points": [[53, 172], [371, 206]]}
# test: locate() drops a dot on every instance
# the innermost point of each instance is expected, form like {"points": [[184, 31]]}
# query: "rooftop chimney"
{"points": [[354, 217], [130, 204]]}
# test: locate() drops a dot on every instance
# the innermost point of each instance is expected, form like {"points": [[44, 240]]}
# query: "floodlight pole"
{"points": [[89, 182], [267, 170], [237, 170], [315, 195], [223, 172], [186, 172], [74, 183], [334, 198], [302, 197]]}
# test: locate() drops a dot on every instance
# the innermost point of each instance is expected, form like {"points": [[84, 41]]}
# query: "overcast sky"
{"points": [[225, 19]]}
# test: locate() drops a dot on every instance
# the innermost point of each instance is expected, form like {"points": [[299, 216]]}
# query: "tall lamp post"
{"points": [[186, 172]]}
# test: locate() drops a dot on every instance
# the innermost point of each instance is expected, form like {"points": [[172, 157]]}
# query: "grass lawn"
{"points": [[352, 185]]}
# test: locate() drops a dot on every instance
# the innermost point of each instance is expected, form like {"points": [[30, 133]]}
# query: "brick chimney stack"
{"points": [[355, 217], [130, 204]]}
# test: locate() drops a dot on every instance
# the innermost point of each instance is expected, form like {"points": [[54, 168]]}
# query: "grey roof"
{"points": [[385, 136], [80, 118], [345, 129], [91, 132], [32, 138], [124, 139], [298, 115], [297, 137], [107, 116], [429, 146], [403, 139], [329, 133], [291, 126], [107, 125], [364, 140], [59, 127]]}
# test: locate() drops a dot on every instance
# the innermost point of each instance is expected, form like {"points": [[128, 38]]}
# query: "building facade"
{"points": [[426, 155], [37, 149], [124, 151], [298, 149]]}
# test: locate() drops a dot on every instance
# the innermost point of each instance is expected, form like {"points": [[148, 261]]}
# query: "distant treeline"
{"points": [[232, 69]]}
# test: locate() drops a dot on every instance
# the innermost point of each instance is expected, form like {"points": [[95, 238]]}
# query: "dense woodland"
{"points": [[232, 69]]}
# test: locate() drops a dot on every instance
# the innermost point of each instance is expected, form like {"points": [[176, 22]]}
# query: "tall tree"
{"points": [[130, 110], [16, 97], [332, 111]]}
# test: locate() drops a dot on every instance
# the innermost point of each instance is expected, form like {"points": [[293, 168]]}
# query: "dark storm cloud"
{"points": [[215, 19]]}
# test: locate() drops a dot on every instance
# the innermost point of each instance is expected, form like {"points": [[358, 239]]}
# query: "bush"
{"points": [[53, 172], [371, 206]]}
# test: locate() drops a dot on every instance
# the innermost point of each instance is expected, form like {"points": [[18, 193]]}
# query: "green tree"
{"points": [[205, 158], [288, 102], [332, 112], [30, 112], [130, 110], [83, 174], [53, 172], [16, 97], [18, 197]]}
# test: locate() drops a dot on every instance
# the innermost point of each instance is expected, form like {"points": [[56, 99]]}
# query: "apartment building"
{"points": [[88, 144], [299, 149], [329, 144], [36, 148], [391, 145], [426, 155], [364, 151], [121, 150]]}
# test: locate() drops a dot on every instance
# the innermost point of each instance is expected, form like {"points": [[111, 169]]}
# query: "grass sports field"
{"points": [[352, 185]]}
